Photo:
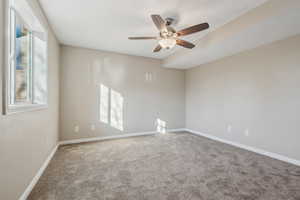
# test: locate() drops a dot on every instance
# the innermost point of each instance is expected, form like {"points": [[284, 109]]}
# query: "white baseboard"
{"points": [[176, 130], [249, 148], [94, 139], [38, 175]]}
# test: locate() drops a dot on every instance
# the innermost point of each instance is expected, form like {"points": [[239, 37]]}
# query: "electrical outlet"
{"points": [[76, 129]]}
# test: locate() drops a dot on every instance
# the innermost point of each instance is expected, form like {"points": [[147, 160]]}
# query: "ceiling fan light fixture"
{"points": [[168, 36], [167, 43]]}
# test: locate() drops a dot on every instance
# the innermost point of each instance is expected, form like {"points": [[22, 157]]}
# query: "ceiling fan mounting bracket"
{"points": [[169, 21]]}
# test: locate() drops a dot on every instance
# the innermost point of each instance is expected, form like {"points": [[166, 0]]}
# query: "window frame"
{"points": [[10, 59]]}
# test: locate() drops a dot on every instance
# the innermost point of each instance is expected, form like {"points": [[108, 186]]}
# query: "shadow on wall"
{"points": [[111, 107]]}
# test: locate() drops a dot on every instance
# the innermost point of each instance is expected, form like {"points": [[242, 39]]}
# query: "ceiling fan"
{"points": [[168, 37]]}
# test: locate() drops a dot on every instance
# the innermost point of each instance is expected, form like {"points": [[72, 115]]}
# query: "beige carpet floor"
{"points": [[177, 166]]}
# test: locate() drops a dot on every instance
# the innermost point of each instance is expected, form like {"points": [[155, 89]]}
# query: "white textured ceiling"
{"points": [[272, 21], [106, 24]]}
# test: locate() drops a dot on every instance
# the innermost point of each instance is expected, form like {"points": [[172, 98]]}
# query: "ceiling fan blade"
{"points": [[185, 44], [157, 48], [193, 29], [142, 38], [159, 22]]}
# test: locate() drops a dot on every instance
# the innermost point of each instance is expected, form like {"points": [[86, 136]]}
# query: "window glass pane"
{"points": [[11, 70], [39, 69], [22, 67]]}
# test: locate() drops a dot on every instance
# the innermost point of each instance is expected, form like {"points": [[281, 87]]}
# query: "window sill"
{"points": [[14, 109]]}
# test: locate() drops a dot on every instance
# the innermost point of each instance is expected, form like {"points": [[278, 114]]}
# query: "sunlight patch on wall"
{"points": [[161, 126], [111, 107], [104, 101], [116, 110]]}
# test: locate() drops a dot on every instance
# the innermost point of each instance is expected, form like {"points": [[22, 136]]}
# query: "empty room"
{"points": [[150, 100]]}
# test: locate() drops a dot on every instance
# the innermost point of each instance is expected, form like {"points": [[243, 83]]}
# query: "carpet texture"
{"points": [[177, 166]]}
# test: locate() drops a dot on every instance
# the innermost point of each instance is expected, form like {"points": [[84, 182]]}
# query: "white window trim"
{"points": [[6, 107]]}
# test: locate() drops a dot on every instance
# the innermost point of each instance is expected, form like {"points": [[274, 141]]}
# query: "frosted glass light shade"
{"points": [[167, 43]]}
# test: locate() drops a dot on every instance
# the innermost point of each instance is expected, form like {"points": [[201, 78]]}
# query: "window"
{"points": [[26, 66]]}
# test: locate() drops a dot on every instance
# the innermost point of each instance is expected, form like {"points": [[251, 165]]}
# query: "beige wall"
{"points": [[84, 70], [26, 139], [251, 98]]}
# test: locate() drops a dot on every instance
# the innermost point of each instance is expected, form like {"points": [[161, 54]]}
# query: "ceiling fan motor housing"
{"points": [[169, 21]]}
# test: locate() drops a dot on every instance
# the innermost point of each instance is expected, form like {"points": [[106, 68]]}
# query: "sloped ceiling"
{"points": [[275, 20]]}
